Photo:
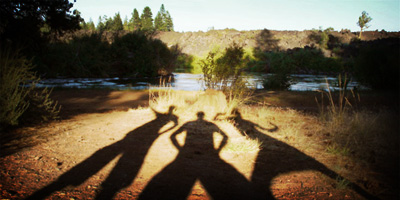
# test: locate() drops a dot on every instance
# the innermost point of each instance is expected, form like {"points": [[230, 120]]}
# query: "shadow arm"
{"points": [[224, 140], [174, 140]]}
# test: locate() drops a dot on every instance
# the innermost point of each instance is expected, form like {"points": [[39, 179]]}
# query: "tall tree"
{"points": [[126, 23], [363, 21], [90, 25], [147, 19], [117, 23], [100, 24], [159, 22], [135, 20], [163, 20], [168, 22]]}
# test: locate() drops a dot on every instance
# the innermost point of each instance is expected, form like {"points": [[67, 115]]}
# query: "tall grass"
{"points": [[336, 108], [356, 132]]}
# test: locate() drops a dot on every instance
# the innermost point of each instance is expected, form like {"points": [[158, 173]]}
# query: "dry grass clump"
{"points": [[188, 104]]}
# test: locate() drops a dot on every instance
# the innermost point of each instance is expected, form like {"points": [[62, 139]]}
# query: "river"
{"points": [[189, 82]]}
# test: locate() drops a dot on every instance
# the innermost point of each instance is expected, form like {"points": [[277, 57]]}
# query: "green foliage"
{"points": [[363, 21], [342, 183], [223, 71], [133, 54], [377, 64], [147, 20], [158, 23], [299, 60], [15, 71], [42, 108], [144, 55], [184, 63], [17, 98], [168, 22], [321, 37], [135, 21], [117, 23], [281, 65]]}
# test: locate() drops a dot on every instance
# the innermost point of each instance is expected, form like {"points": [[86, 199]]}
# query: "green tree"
{"points": [[90, 25], [163, 20], [363, 21], [169, 23], [108, 23], [147, 20], [83, 26], [116, 24], [223, 70], [159, 23], [100, 25], [126, 24], [136, 23]]}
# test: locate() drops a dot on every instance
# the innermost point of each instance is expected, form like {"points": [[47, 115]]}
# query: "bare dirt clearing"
{"points": [[103, 148]]}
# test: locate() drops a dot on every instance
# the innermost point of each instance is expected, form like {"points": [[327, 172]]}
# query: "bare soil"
{"points": [[108, 144]]}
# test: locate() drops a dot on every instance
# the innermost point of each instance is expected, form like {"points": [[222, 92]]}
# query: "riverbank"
{"points": [[295, 155]]}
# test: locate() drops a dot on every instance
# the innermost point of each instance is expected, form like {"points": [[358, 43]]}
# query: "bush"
{"points": [[19, 99], [15, 72], [281, 65], [224, 70]]}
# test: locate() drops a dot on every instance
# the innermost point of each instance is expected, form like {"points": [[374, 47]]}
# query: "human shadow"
{"points": [[277, 157], [133, 147], [198, 159]]}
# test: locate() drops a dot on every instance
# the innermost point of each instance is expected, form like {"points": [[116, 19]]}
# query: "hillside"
{"points": [[200, 43]]}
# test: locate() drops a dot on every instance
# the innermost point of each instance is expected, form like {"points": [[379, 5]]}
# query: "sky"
{"points": [[202, 15]]}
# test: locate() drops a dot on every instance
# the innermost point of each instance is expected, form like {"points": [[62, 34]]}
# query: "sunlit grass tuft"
{"points": [[335, 149], [243, 145]]}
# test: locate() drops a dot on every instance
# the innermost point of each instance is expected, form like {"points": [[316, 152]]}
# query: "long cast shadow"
{"points": [[133, 148], [280, 158], [198, 160]]}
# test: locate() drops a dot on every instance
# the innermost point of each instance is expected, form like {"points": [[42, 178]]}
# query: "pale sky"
{"points": [[195, 15]]}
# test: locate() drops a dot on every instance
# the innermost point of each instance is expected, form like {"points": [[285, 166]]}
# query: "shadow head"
{"points": [[200, 115]]}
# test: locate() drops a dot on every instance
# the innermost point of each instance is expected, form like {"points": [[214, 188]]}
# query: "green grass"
{"points": [[342, 183], [337, 150]]}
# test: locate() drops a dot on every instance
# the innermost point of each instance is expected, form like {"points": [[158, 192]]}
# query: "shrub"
{"points": [[15, 72], [224, 70], [321, 37], [19, 98], [184, 63], [281, 65]]}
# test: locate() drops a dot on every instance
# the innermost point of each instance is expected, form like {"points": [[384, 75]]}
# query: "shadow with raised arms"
{"points": [[277, 158], [198, 159], [133, 147]]}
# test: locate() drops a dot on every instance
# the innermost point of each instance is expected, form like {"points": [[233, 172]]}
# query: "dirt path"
{"points": [[104, 148]]}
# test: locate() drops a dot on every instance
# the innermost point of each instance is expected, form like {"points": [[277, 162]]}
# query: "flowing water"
{"points": [[189, 82]]}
